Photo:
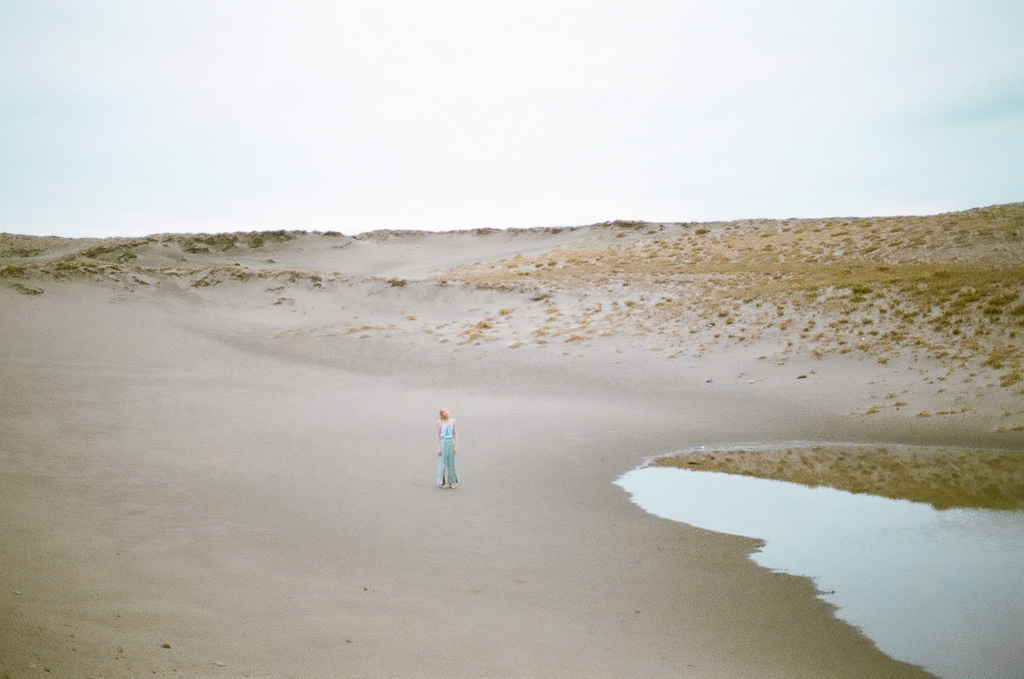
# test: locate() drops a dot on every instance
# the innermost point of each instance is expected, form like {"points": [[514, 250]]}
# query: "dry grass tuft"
{"points": [[1011, 378], [27, 289]]}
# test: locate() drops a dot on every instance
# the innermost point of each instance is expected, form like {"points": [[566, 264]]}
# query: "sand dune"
{"points": [[218, 458]]}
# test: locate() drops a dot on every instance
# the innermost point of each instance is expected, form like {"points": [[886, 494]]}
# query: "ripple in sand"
{"points": [[940, 589]]}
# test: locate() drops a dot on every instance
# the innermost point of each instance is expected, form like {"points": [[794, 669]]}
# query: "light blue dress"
{"points": [[446, 460]]}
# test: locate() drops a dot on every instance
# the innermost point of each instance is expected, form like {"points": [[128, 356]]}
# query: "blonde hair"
{"points": [[444, 414]]}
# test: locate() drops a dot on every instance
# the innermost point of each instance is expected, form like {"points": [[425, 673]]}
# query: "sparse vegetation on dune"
{"points": [[123, 249], [197, 260], [951, 286], [132, 275]]}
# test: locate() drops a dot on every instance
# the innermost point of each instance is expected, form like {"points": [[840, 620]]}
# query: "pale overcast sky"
{"points": [[142, 116]]}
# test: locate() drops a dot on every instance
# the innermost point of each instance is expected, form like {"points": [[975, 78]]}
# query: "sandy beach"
{"points": [[218, 456]]}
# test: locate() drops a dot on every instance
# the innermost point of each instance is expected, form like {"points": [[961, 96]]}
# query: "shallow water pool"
{"points": [[940, 589]]}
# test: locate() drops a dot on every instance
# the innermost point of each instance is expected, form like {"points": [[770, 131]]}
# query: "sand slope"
{"points": [[217, 457]]}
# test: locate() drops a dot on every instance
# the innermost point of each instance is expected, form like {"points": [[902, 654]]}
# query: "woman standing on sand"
{"points": [[446, 451]]}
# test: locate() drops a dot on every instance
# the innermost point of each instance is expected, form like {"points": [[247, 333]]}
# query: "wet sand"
{"points": [[941, 477], [218, 461]]}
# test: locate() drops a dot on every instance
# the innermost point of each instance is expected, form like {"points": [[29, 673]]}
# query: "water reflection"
{"points": [[941, 589]]}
